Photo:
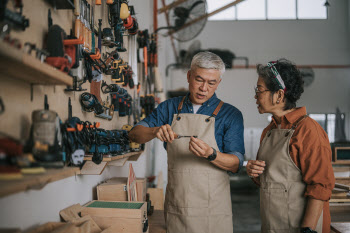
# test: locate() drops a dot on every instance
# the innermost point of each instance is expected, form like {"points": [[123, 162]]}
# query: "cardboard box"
{"points": [[126, 217], [114, 189]]}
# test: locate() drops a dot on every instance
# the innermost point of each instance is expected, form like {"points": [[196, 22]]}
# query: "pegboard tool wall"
{"points": [[16, 95]]}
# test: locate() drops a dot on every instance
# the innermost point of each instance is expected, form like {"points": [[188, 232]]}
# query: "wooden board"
{"points": [[341, 227], [91, 168], [24, 67], [119, 162], [156, 196], [36, 181], [127, 155]]}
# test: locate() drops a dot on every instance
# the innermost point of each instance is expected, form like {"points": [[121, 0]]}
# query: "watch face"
{"points": [[307, 230]]}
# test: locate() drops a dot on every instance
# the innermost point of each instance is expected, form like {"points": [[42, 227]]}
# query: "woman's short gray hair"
{"points": [[208, 60]]}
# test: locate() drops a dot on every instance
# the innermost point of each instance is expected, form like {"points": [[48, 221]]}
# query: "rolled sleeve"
{"points": [[143, 123], [241, 160], [233, 140], [317, 191], [318, 173]]}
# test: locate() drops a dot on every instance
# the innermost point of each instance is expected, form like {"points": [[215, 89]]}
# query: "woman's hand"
{"points": [[255, 168]]}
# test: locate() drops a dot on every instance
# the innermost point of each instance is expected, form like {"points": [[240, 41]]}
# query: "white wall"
{"points": [[305, 42]]}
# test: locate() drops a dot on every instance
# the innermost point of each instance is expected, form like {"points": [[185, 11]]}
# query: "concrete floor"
{"points": [[245, 204]]}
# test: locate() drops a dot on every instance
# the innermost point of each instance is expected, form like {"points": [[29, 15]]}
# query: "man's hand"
{"points": [[165, 133], [200, 148], [255, 168]]}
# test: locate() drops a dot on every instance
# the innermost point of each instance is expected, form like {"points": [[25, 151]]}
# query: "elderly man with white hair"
{"points": [[203, 137]]}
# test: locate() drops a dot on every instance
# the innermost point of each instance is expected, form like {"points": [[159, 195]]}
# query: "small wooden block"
{"points": [[91, 168], [341, 227], [118, 163]]}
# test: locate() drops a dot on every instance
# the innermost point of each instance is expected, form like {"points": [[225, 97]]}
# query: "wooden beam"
{"points": [[206, 16], [165, 8]]}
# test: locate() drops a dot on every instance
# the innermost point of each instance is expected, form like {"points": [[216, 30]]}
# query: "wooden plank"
{"points": [[134, 157], [91, 168], [343, 180], [340, 212], [341, 227], [18, 65], [108, 159], [119, 162], [37, 181], [340, 199], [156, 196], [342, 186]]}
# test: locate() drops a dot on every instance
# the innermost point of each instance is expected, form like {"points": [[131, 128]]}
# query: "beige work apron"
{"points": [[197, 196], [282, 201]]}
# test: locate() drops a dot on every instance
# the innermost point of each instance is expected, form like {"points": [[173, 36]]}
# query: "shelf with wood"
{"points": [[91, 168], [16, 64], [117, 157], [37, 181]]}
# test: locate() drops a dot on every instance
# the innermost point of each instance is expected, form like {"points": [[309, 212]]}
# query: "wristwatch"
{"points": [[212, 156], [307, 230]]}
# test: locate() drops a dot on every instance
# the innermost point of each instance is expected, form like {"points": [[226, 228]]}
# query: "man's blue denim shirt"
{"points": [[228, 123]]}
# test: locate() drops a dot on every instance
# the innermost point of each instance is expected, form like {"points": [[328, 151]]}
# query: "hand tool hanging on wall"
{"points": [[90, 103], [118, 11], [45, 141], [2, 106], [130, 23], [72, 145], [63, 52], [12, 19], [142, 57], [40, 54]]}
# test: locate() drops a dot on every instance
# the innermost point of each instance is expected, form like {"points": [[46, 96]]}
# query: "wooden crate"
{"points": [[113, 190], [141, 185], [339, 159], [126, 217]]}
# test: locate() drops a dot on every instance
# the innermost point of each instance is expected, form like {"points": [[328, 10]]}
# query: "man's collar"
{"points": [[208, 102]]}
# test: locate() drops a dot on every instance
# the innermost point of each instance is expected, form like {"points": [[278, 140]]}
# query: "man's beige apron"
{"points": [[198, 193], [282, 201]]}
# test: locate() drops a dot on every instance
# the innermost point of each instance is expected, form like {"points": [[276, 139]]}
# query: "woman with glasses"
{"points": [[293, 166]]}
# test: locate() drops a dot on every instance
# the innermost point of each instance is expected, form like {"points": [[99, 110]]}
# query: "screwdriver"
{"points": [[176, 136]]}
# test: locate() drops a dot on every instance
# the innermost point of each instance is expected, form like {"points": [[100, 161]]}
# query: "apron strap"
{"points": [[295, 125], [179, 108], [216, 111]]}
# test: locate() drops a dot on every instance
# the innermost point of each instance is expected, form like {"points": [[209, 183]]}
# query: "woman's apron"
{"points": [[282, 200]]}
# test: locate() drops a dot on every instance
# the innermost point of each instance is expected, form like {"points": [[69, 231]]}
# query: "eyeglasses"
{"points": [[257, 91]]}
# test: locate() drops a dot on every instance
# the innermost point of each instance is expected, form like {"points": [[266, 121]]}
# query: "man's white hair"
{"points": [[208, 60]]}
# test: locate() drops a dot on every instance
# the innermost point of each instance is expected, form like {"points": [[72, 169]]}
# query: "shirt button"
{"points": [[208, 105], [191, 110]]}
